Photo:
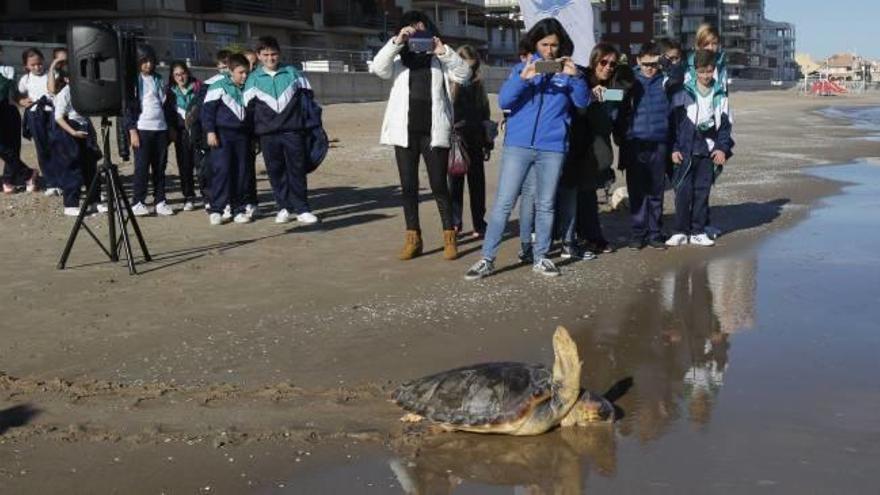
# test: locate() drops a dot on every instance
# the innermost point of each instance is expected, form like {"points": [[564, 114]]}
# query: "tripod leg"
{"points": [[78, 224], [111, 211], [117, 187], [116, 195]]}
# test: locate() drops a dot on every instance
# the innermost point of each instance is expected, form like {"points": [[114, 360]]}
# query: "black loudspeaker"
{"points": [[101, 67]]}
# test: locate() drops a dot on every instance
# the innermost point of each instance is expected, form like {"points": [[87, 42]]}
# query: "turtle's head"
{"points": [[589, 409], [566, 367]]}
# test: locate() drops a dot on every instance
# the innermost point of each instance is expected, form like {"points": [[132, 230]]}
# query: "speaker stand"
{"points": [[118, 210]]}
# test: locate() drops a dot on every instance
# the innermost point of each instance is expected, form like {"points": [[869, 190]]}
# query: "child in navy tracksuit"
{"points": [[34, 96], [228, 130], [15, 173], [272, 96], [74, 150], [644, 125], [703, 143], [147, 124]]}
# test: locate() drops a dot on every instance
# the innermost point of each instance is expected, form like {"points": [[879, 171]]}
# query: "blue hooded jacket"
{"points": [[540, 109]]}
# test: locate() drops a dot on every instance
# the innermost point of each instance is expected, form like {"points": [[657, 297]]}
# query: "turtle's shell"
{"points": [[484, 394]]}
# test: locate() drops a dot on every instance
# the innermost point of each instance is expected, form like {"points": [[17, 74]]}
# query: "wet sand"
{"points": [[276, 346]]}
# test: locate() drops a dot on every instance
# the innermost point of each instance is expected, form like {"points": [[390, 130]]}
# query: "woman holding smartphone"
{"points": [[589, 162], [540, 106], [418, 120]]}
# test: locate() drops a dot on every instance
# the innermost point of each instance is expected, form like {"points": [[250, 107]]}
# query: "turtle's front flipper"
{"points": [[411, 418]]}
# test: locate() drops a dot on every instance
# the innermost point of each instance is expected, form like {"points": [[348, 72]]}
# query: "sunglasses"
{"points": [[607, 63], [651, 65]]}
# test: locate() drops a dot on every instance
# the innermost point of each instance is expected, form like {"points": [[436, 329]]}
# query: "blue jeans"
{"points": [[516, 163], [567, 206], [527, 211]]}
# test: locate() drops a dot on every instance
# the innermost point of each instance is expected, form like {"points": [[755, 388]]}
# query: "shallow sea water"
{"points": [[753, 373]]}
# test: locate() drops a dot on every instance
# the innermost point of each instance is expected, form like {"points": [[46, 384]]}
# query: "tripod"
{"points": [[118, 210]]}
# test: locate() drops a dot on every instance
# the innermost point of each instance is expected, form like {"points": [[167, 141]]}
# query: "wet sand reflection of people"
{"points": [[672, 337], [555, 463]]}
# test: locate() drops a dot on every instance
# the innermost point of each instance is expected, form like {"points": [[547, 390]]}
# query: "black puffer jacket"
{"points": [[590, 154]]}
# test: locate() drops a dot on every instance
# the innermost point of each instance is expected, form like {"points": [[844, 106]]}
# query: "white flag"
{"points": [[575, 15]]}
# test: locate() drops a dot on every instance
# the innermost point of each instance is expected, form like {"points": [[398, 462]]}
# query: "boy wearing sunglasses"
{"points": [[644, 130]]}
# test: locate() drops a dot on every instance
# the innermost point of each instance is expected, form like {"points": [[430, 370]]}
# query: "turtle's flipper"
{"points": [[411, 418]]}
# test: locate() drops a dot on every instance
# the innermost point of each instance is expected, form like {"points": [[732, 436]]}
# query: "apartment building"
{"points": [[629, 24], [779, 39], [196, 29]]}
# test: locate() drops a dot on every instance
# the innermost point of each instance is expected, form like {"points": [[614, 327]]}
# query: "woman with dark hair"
{"points": [[590, 157], [418, 119], [540, 104], [183, 94], [471, 111]]}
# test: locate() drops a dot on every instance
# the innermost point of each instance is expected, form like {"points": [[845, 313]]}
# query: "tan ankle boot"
{"points": [[450, 245], [412, 246]]}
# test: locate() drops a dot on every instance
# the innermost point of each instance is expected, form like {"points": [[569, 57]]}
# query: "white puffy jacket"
{"points": [[445, 69]]}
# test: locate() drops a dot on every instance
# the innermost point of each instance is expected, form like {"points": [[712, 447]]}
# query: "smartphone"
{"points": [[421, 45], [548, 67], [613, 95]]}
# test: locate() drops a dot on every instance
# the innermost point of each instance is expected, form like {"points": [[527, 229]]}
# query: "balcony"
{"points": [[475, 4], [44, 5], [279, 9], [463, 32], [372, 22]]}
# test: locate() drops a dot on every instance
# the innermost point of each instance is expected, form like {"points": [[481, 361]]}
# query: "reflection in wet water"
{"points": [[672, 337], [555, 463]]}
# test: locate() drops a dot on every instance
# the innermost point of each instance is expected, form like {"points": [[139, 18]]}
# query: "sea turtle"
{"points": [[507, 398]]}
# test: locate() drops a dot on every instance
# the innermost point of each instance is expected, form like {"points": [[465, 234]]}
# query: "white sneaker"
{"points": [[215, 219], [242, 218], [71, 211], [188, 206], [713, 232], [99, 208], [283, 216], [227, 212], [52, 191], [677, 240], [307, 218], [701, 240], [140, 210], [207, 206], [251, 211], [164, 209], [31, 184]]}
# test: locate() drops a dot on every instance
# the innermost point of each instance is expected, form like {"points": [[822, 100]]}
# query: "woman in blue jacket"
{"points": [[539, 106]]}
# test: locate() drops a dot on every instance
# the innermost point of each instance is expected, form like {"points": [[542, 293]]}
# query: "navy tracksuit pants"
{"points": [[645, 164], [187, 156], [150, 161], [693, 185], [77, 159], [15, 172], [251, 176], [39, 123], [229, 170], [285, 159]]}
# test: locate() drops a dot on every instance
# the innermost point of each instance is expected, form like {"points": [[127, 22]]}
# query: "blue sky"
{"points": [[827, 27]]}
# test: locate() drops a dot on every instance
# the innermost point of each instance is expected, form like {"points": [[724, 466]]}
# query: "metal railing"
{"points": [[202, 53], [291, 9]]}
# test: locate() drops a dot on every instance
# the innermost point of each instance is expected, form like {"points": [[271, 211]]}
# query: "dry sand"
{"points": [[263, 346]]}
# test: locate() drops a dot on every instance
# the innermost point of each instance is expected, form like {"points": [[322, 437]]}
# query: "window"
{"points": [[637, 27], [615, 27], [636, 4], [635, 48], [614, 5]]}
